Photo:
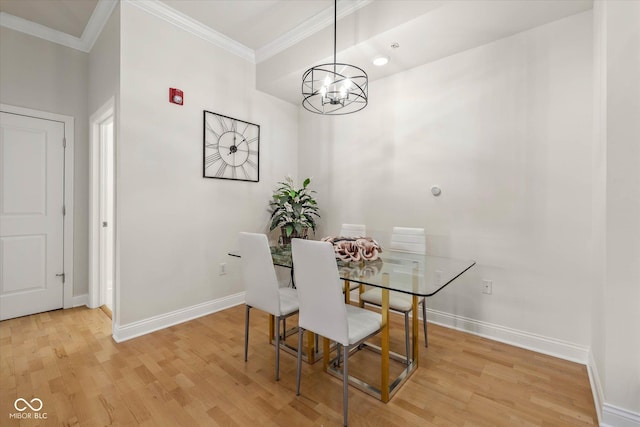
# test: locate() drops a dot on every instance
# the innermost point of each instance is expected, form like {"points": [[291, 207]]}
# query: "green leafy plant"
{"points": [[294, 210]]}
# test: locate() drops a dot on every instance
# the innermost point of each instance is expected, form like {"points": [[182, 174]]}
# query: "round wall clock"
{"points": [[231, 148]]}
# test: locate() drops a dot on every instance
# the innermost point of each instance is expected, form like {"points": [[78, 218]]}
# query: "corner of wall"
{"points": [[596, 384]]}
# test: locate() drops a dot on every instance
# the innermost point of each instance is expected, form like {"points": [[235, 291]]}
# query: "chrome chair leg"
{"points": [[278, 348], [284, 328], [345, 385], [299, 368], [246, 332], [424, 320]]}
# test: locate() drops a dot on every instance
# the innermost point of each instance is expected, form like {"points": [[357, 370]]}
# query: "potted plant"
{"points": [[294, 210]]}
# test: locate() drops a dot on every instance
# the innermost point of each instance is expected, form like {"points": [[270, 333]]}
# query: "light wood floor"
{"points": [[193, 374]]}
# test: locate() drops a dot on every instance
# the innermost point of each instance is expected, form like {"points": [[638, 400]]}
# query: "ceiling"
{"points": [[285, 37]]}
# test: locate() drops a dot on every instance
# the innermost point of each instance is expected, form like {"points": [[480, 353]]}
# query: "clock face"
{"points": [[231, 148]]}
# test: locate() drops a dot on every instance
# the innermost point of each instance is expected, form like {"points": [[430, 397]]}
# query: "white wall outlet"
{"points": [[487, 287], [223, 268]]}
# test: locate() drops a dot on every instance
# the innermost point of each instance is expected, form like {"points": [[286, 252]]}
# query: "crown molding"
{"points": [[160, 10], [85, 43], [96, 23], [308, 28], [104, 8], [40, 31]]}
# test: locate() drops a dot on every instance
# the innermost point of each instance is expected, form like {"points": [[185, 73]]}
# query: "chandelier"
{"points": [[336, 88]]}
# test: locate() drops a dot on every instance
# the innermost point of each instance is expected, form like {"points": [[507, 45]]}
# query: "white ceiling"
{"points": [[285, 37], [66, 16]]}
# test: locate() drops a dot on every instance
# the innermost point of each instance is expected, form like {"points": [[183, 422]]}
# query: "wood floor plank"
{"points": [[194, 374]]}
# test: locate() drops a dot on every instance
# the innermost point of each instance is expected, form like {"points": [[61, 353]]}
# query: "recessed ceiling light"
{"points": [[380, 60]]}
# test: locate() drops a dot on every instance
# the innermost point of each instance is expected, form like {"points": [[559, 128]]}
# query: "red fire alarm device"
{"points": [[176, 96]]}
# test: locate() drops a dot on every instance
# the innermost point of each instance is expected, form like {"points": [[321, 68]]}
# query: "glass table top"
{"points": [[421, 275]]}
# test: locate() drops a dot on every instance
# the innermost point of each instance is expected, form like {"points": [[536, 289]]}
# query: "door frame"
{"points": [[96, 119], [68, 122]]}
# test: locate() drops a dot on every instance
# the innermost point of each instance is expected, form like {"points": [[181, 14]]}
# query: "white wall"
{"points": [[622, 292], [599, 203], [505, 130], [175, 227], [104, 64], [45, 76]]}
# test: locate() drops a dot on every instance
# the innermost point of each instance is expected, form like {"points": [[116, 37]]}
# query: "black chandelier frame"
{"points": [[332, 102]]}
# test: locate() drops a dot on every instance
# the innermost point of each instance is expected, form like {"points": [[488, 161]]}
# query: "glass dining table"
{"points": [[412, 274]]}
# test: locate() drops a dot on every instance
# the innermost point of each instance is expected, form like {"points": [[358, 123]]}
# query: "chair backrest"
{"points": [[258, 273], [353, 230], [408, 240], [322, 308]]}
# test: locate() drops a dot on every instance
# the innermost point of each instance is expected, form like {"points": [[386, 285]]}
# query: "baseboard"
{"points": [[596, 385], [80, 300], [608, 415], [142, 327], [538, 343], [612, 416]]}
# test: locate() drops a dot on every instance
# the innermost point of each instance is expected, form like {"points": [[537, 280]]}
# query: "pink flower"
{"points": [[352, 249], [347, 250], [369, 248]]}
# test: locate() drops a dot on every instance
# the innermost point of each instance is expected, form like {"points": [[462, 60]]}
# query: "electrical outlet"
{"points": [[487, 286], [223, 268]]}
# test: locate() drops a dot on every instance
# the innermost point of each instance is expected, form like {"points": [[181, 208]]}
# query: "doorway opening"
{"points": [[102, 236]]}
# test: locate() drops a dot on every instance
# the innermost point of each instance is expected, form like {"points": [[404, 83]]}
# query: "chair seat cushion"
{"points": [[288, 301], [397, 300], [362, 323]]}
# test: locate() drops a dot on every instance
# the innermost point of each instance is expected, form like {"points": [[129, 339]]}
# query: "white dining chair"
{"points": [[262, 290], [322, 308], [409, 240], [353, 230]]}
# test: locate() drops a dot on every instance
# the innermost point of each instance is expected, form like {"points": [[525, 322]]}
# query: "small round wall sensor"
{"points": [[436, 191]]}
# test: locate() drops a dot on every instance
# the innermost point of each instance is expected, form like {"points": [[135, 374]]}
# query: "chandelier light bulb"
{"points": [[327, 81]]}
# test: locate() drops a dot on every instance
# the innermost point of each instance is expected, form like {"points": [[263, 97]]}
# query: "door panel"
{"points": [[31, 215], [17, 252]]}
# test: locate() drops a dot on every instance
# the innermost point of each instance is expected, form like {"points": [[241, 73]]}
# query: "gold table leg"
{"points": [[414, 328], [384, 384], [347, 292], [272, 332], [311, 348]]}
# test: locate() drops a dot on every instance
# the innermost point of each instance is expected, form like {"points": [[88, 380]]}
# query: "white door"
{"points": [[106, 212], [31, 215]]}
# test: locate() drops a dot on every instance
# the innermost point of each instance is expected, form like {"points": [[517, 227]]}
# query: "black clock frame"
{"points": [[221, 117]]}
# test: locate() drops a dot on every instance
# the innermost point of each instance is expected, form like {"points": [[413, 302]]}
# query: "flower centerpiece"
{"points": [[294, 210], [354, 249]]}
